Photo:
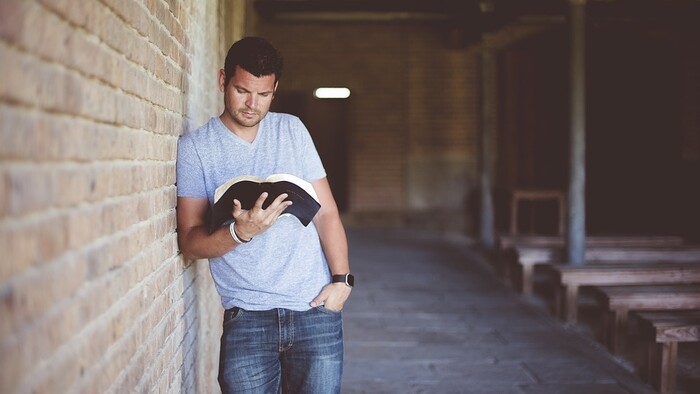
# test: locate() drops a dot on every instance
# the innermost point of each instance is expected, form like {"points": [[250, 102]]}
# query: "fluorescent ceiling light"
{"points": [[324, 93]]}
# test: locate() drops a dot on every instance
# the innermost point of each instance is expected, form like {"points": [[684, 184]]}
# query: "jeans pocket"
{"points": [[323, 309], [231, 315]]}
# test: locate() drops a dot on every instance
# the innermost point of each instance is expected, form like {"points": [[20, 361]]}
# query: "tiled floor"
{"points": [[428, 316]]}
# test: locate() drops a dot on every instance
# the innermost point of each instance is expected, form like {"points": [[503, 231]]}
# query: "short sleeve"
{"points": [[313, 167], [190, 176]]}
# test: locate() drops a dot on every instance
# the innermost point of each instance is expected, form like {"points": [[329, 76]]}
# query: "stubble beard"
{"points": [[246, 120], [239, 117]]}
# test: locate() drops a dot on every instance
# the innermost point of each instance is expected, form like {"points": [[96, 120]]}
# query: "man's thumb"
{"points": [[236, 209], [317, 301]]}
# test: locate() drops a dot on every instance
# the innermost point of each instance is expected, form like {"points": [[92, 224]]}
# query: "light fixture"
{"points": [[331, 93]]}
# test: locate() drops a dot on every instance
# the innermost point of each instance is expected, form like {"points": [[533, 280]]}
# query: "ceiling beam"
{"points": [[483, 15]]}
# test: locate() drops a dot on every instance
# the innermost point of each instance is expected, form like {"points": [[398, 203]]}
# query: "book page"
{"points": [[222, 189], [296, 180], [272, 178]]}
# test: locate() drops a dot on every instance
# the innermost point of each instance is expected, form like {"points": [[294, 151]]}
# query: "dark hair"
{"points": [[255, 55]]}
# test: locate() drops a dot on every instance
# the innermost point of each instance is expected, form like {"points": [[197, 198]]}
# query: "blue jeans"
{"points": [[281, 351]]}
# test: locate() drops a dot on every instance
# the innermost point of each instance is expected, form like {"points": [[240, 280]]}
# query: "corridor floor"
{"points": [[428, 316]]}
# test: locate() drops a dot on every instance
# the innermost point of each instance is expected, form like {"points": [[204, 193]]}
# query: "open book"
{"points": [[247, 189]]}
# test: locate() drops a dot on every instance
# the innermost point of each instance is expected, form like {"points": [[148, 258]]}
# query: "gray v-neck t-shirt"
{"points": [[283, 267]]}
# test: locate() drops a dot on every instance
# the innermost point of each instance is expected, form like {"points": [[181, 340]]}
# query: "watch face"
{"points": [[350, 280]]}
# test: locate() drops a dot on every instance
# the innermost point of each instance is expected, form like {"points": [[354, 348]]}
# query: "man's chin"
{"points": [[248, 122]]}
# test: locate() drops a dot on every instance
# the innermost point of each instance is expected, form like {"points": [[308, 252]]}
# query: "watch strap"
{"points": [[348, 279]]}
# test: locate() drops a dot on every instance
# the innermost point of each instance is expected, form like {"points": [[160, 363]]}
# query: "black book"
{"points": [[247, 189]]}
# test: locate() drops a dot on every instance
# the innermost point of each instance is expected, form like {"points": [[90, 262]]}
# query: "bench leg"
{"points": [[604, 338], [568, 301], [508, 266], [662, 366], [503, 261], [500, 261], [514, 216], [616, 330], [527, 279]]}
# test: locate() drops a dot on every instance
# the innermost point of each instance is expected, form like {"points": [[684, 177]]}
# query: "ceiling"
{"points": [[484, 15], [406, 10]]}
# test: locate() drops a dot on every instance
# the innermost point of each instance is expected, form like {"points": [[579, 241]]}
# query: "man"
{"points": [[282, 285]]}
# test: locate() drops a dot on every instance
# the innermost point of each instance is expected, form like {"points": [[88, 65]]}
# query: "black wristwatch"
{"points": [[348, 279]]}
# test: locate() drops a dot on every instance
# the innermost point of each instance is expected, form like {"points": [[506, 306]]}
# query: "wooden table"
{"points": [[662, 332], [536, 195], [619, 300], [525, 240], [527, 257], [571, 278]]}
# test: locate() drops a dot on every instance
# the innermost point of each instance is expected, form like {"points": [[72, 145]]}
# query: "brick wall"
{"points": [[443, 110], [94, 296], [372, 68], [412, 100], [415, 113]]}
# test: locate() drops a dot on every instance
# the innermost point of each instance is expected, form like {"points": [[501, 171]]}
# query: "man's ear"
{"points": [[274, 90], [222, 80]]}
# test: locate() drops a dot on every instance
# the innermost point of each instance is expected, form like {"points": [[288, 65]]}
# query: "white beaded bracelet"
{"points": [[232, 230]]}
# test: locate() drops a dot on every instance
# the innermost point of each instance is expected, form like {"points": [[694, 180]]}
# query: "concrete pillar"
{"points": [[576, 234], [486, 136]]}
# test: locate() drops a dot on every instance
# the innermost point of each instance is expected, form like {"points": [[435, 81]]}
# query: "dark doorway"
{"points": [[533, 135], [327, 121], [633, 134]]}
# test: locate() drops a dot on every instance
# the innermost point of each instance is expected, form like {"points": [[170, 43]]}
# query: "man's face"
{"points": [[247, 98]]}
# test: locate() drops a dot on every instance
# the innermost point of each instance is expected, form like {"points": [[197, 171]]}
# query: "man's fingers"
{"points": [[267, 216], [278, 206], [259, 202], [329, 299], [279, 199], [320, 299]]}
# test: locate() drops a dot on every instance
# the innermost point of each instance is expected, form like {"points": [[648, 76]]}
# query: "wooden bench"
{"points": [[536, 249], [618, 301], [662, 331], [518, 266], [528, 257], [511, 241], [568, 279]]}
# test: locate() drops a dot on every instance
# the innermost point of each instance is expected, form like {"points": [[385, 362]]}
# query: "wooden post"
{"points": [[576, 235], [486, 135]]}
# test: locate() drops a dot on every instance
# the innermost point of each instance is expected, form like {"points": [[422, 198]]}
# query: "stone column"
{"points": [[487, 131], [576, 234]]}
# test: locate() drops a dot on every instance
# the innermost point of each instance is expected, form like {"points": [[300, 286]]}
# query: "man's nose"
{"points": [[251, 100]]}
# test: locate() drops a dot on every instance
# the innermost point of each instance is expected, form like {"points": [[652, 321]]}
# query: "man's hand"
{"points": [[254, 221], [333, 296]]}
